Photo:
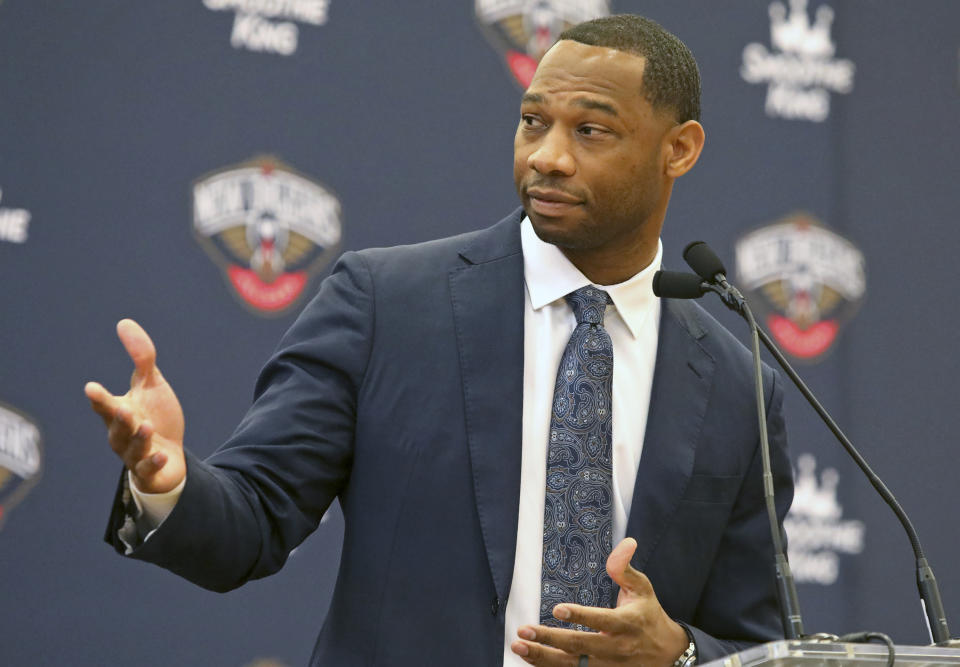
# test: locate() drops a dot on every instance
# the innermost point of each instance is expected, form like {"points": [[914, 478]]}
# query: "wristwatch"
{"points": [[689, 657]]}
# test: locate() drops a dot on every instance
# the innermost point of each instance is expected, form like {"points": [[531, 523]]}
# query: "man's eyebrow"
{"points": [[582, 102], [587, 103]]}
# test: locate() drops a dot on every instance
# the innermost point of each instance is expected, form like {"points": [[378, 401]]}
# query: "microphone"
{"points": [[709, 267], [678, 285], [705, 262]]}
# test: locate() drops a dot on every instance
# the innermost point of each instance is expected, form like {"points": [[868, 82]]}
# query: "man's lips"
{"points": [[551, 202]]}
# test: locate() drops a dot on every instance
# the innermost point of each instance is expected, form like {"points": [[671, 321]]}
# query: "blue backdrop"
{"points": [[340, 125]]}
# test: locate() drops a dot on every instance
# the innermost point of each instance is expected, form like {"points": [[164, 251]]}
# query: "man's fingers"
{"points": [[150, 465], [597, 618], [95, 391], [623, 574], [574, 642], [102, 401], [628, 633], [139, 346], [129, 438], [137, 454], [120, 430], [620, 557], [546, 656]]}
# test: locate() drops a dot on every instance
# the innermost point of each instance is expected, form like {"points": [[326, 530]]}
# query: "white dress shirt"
{"points": [[632, 322]]}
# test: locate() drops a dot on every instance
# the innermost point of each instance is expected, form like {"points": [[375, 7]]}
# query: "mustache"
{"points": [[546, 183]]}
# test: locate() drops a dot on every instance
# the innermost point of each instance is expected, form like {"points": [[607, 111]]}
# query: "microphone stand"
{"points": [[786, 589], [934, 613]]}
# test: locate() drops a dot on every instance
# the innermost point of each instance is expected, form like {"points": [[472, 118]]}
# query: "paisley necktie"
{"points": [[578, 513]]}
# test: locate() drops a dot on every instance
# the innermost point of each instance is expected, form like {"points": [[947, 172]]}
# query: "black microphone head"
{"points": [[676, 285], [703, 261]]}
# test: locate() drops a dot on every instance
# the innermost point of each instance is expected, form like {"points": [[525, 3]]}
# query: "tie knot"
{"points": [[589, 304]]}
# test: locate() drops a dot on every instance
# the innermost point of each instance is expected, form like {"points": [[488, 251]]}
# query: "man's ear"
{"points": [[684, 143]]}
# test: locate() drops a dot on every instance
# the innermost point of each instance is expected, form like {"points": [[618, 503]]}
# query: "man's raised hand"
{"points": [[636, 632], [145, 425]]}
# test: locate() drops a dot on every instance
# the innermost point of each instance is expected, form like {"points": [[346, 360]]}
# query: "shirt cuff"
{"points": [[153, 508]]}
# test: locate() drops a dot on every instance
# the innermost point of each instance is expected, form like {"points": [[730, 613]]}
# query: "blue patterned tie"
{"points": [[578, 514]]}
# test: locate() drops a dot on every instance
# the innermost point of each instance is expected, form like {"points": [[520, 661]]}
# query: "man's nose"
{"points": [[552, 155]]}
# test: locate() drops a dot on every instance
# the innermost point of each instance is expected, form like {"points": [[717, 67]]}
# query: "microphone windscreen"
{"points": [[676, 285], [703, 260]]}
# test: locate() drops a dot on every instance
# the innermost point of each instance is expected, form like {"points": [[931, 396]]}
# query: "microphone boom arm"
{"points": [[934, 613]]}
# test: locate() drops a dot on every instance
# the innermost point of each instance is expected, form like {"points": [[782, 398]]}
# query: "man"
{"points": [[421, 388]]}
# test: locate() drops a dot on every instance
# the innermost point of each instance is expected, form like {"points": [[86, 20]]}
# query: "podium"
{"points": [[800, 653]]}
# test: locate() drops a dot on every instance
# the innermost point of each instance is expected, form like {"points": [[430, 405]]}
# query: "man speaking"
{"points": [[538, 461]]}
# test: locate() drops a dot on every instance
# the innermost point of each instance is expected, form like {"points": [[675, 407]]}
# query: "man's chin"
{"points": [[559, 232]]}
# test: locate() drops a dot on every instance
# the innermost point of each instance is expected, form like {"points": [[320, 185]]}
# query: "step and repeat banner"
{"points": [[198, 165]]}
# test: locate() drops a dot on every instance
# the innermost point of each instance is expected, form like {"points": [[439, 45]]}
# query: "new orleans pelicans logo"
{"points": [[269, 228], [804, 278], [21, 457], [523, 30]]}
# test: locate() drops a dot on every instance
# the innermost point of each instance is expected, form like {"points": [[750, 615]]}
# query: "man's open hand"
{"points": [[637, 632], [145, 425]]}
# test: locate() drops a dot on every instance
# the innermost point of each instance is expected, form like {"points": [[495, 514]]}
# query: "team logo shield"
{"points": [[805, 280], [269, 228], [523, 30], [21, 457]]}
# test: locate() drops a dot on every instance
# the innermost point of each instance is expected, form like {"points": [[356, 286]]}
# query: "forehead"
{"points": [[573, 68]]}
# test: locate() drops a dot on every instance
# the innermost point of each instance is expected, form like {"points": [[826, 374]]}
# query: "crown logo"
{"points": [[812, 497], [793, 33]]}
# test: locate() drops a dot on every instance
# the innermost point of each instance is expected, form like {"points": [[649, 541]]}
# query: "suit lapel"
{"points": [[682, 380], [487, 294]]}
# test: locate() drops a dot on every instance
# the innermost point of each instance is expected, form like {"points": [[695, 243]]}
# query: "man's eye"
{"points": [[590, 131], [530, 121]]}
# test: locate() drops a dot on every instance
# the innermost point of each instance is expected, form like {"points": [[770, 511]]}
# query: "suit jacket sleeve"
{"points": [[246, 507]]}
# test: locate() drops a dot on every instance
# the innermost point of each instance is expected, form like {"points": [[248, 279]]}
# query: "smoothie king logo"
{"points": [[268, 25], [269, 228], [523, 30], [801, 71], [818, 534], [21, 457], [804, 279]]}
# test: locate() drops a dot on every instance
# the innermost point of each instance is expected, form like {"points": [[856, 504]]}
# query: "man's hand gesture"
{"points": [[637, 632], [145, 425]]}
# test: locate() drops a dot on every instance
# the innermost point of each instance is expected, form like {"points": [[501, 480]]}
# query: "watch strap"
{"points": [[689, 657]]}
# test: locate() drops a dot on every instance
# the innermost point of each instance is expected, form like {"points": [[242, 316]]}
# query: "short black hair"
{"points": [[671, 78]]}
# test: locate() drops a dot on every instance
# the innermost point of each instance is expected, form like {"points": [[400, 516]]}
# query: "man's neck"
{"points": [[613, 267]]}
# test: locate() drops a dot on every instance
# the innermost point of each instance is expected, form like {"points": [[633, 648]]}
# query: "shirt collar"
{"points": [[550, 276]]}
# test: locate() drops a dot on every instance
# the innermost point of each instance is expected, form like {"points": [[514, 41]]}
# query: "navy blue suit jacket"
{"points": [[398, 390]]}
